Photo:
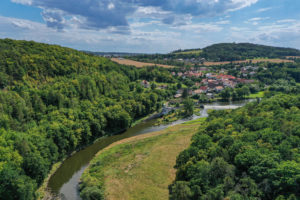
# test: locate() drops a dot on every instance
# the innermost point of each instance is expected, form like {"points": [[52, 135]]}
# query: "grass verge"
{"points": [[140, 167]]}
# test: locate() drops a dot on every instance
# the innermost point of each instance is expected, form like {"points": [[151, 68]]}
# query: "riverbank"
{"points": [[44, 193], [140, 167]]}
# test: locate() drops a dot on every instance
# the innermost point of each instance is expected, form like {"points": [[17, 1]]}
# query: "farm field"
{"points": [[129, 169], [138, 64]]}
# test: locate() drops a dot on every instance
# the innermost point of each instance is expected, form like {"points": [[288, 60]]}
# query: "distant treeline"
{"points": [[226, 52]]}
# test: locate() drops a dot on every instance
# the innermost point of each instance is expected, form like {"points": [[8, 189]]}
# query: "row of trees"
{"points": [[248, 153]]}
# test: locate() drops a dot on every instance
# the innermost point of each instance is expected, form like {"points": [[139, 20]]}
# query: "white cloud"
{"points": [[223, 22], [26, 2], [286, 21], [275, 34], [103, 14], [264, 9]]}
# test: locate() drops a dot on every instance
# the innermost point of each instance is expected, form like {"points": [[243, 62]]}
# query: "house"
{"points": [[223, 76], [245, 81], [202, 69], [219, 88], [204, 82], [145, 83], [198, 91], [178, 95], [197, 84], [203, 89], [210, 95], [163, 86]]}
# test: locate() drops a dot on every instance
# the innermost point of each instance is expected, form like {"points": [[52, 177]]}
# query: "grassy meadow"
{"points": [[140, 167]]}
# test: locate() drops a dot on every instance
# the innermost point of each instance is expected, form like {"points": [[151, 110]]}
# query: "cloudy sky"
{"points": [[151, 25]]}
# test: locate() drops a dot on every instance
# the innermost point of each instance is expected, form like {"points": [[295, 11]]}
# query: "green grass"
{"points": [[190, 52], [256, 95], [196, 121], [141, 167]]}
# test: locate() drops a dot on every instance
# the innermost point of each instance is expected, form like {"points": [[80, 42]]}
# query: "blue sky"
{"points": [[150, 26]]}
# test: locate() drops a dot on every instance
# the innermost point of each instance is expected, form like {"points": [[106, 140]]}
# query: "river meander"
{"points": [[64, 182]]}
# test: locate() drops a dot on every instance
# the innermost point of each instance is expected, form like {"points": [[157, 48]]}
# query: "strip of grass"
{"points": [[256, 95], [196, 121], [139, 167], [190, 52]]}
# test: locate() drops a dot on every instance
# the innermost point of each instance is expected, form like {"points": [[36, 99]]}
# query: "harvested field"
{"points": [[138, 64]]}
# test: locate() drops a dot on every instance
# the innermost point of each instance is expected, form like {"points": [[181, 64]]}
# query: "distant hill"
{"points": [[241, 51], [237, 51], [112, 54]]}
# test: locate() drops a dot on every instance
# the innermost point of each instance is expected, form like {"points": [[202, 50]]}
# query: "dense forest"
{"points": [[222, 52], [248, 153], [55, 100], [242, 51]]}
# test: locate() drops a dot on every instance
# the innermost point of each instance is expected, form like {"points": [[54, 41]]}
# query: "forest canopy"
{"points": [[248, 153], [56, 100]]}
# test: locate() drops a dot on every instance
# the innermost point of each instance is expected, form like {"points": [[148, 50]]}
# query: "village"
{"points": [[213, 82]]}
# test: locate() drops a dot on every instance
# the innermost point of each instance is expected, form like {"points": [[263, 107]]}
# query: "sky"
{"points": [[151, 26]]}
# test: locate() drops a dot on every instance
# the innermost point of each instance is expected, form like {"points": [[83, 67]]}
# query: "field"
{"points": [[292, 57], [253, 61], [138, 64], [140, 167], [189, 52]]}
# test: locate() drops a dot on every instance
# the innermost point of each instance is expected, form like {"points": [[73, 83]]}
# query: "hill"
{"points": [[242, 51], [222, 52], [55, 100]]}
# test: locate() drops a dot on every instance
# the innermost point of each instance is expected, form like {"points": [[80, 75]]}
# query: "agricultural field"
{"points": [[138, 64]]}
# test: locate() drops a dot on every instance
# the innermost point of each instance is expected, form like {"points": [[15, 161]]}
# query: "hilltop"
{"points": [[223, 52]]}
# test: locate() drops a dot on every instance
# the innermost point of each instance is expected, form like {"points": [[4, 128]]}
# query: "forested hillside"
{"points": [[242, 51], [248, 153], [55, 100], [221, 52]]}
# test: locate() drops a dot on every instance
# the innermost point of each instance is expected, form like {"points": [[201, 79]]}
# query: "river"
{"points": [[64, 182]]}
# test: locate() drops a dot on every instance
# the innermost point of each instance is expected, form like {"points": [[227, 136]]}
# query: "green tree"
{"points": [[188, 105]]}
